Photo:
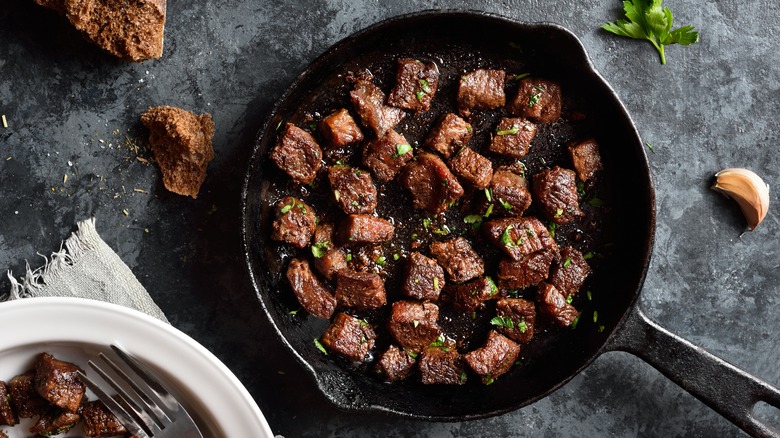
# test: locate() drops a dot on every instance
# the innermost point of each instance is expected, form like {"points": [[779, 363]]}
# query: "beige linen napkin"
{"points": [[86, 268]]}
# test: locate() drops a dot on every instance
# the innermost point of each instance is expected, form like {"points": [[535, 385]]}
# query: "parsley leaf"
{"points": [[320, 248]]}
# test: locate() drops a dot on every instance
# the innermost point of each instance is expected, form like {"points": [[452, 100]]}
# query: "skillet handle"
{"points": [[725, 388]]}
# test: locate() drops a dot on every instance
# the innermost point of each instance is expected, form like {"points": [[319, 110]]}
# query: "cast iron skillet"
{"points": [[475, 38]]}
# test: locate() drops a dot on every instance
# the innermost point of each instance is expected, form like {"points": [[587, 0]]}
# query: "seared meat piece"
{"points": [[364, 228], [387, 154], [424, 278], [295, 222], [434, 188], [415, 85], [570, 272], [510, 191], [360, 290], [25, 400], [528, 271], [297, 153], [472, 167], [396, 364], [586, 158], [314, 296], [459, 259], [413, 324], [442, 366], [369, 103], [552, 304], [481, 89], [494, 358], [55, 422], [7, 415], [328, 259], [512, 137], [449, 135], [518, 317], [538, 99], [472, 295], [340, 129], [364, 258], [99, 422], [349, 337], [58, 382], [353, 189], [556, 192], [519, 236]]}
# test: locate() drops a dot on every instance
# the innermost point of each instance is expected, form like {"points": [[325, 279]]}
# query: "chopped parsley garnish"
{"points": [[348, 257], [355, 203], [575, 322], [415, 323], [588, 255], [426, 222], [488, 211], [502, 321], [595, 316], [419, 95], [649, 146], [489, 194], [320, 347], [469, 129], [569, 299], [567, 262], [522, 326], [511, 131], [581, 189], [551, 229], [488, 380], [596, 202], [493, 287], [439, 342], [558, 212], [286, 209], [463, 376], [507, 206], [320, 248], [396, 256], [534, 98], [294, 312], [401, 149], [521, 76], [506, 238], [590, 297], [412, 354], [436, 283], [443, 231], [381, 260], [425, 86], [474, 219], [336, 195]]}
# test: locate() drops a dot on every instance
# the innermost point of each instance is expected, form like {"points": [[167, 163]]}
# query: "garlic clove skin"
{"points": [[748, 189]]}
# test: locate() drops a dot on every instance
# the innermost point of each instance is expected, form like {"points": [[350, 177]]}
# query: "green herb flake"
{"points": [[649, 146], [463, 376], [542, 161], [401, 149], [558, 212], [419, 95], [294, 312], [601, 328], [588, 255], [488, 380], [436, 283], [415, 323], [438, 342], [507, 206], [506, 238], [489, 194], [522, 326], [502, 321], [414, 236], [521, 76], [426, 222], [567, 262], [279, 125], [412, 354], [474, 219], [551, 229], [286, 209], [381, 260], [489, 211], [348, 257], [320, 347], [396, 256], [492, 284], [511, 131], [569, 299], [534, 99], [575, 322], [581, 189], [469, 129], [595, 316], [590, 297], [473, 314], [320, 248], [443, 231], [336, 195], [425, 86], [596, 202]]}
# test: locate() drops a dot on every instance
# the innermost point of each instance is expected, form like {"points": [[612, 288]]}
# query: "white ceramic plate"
{"points": [[75, 330]]}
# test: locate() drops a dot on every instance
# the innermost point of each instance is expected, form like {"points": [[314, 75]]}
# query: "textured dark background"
{"points": [[73, 110]]}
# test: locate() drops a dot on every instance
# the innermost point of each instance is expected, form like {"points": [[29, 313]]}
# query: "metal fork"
{"points": [[142, 404]]}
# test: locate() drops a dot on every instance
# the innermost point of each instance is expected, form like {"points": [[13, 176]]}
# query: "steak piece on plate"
{"points": [[396, 364], [314, 296], [555, 190], [349, 337], [442, 366], [298, 154], [513, 137], [459, 259], [360, 290], [98, 421], [510, 191], [433, 187], [518, 318], [413, 324], [25, 400], [415, 85], [473, 168], [586, 158], [449, 135], [570, 271], [481, 89], [387, 154], [58, 382], [295, 222], [538, 99], [424, 278], [328, 258], [528, 271], [7, 415], [55, 422], [369, 103], [364, 228], [339, 129], [519, 236], [472, 295], [494, 358], [353, 189], [553, 305]]}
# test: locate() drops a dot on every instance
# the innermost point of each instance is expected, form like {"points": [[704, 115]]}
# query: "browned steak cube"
{"points": [[7, 415], [415, 85], [360, 290], [98, 421], [413, 324], [553, 305], [25, 400], [570, 271], [353, 189], [519, 236], [512, 137], [442, 366], [510, 191], [364, 258], [472, 295], [396, 364], [364, 228], [369, 103], [297, 153], [314, 296], [434, 188], [295, 222], [494, 358], [473, 168], [55, 422], [528, 271], [538, 99], [328, 259], [517, 318], [586, 158], [349, 337], [481, 89], [556, 192], [459, 259], [424, 278], [58, 382], [387, 154], [449, 135], [339, 129]]}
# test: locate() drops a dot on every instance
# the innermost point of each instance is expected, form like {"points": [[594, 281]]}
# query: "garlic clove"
{"points": [[748, 189]]}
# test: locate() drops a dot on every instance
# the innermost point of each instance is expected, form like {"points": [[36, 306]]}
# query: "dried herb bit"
{"points": [[569, 298], [320, 347], [588, 294], [502, 321], [411, 354], [286, 209], [401, 149], [506, 238], [511, 131], [320, 248]]}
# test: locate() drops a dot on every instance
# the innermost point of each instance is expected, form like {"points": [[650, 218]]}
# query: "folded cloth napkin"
{"points": [[86, 268]]}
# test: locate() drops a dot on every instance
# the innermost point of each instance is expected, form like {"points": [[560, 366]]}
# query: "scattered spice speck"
{"points": [[126, 213], [5, 122], [65, 178]]}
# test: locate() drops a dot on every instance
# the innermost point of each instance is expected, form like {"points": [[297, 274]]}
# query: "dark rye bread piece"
{"points": [[132, 30], [181, 142]]}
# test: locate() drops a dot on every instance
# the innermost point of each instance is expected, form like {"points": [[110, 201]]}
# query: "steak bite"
{"points": [[459, 259], [369, 103], [434, 188], [570, 272], [519, 236], [586, 158], [339, 129], [513, 137], [538, 99], [473, 168], [553, 305], [440, 366], [298, 154], [518, 317], [360, 290], [349, 337], [295, 222], [314, 296], [387, 154], [481, 89], [58, 382], [415, 85], [511, 191], [7, 415], [528, 271], [353, 189], [395, 364], [424, 278], [494, 358], [25, 400], [555, 190], [55, 422], [98, 421], [472, 295], [449, 135], [413, 325], [328, 259], [364, 228]]}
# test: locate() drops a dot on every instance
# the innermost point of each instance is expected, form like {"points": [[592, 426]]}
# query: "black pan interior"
{"points": [[461, 41]]}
